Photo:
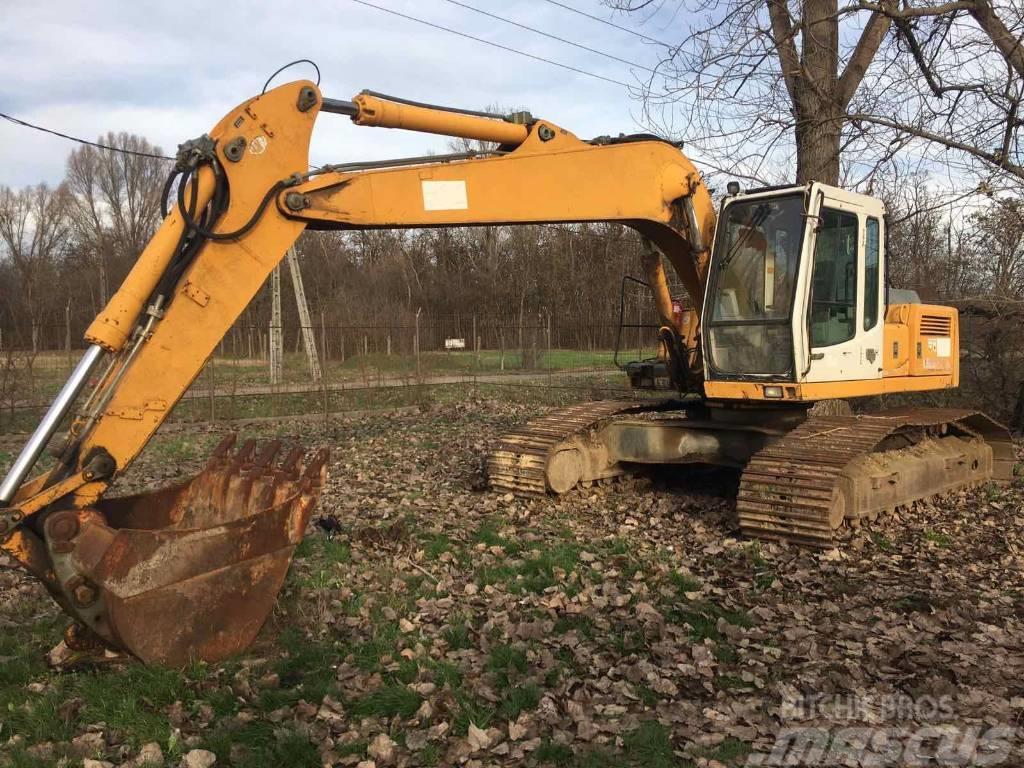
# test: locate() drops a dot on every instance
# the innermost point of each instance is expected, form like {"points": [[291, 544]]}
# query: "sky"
{"points": [[169, 71]]}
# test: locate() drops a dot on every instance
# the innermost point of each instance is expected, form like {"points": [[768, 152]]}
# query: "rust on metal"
{"points": [[186, 572]]}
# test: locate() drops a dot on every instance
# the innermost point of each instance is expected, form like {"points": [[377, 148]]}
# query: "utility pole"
{"points": [[276, 332], [304, 321]]}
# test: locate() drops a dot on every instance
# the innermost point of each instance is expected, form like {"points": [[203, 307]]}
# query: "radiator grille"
{"points": [[936, 325]]}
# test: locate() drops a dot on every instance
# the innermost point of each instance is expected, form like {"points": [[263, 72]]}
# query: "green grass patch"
{"points": [[731, 751], [882, 542], [937, 537], [471, 710], [683, 582], [370, 654], [306, 669], [259, 743], [489, 535], [505, 663], [394, 700], [912, 603], [553, 752], [457, 635], [437, 545], [702, 618], [519, 698], [446, 674], [730, 682], [649, 745], [575, 622]]}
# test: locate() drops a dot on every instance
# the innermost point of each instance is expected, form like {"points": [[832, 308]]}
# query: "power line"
{"points": [[492, 43], [96, 144], [554, 37], [611, 24]]}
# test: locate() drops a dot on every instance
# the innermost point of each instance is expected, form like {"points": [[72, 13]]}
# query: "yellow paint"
{"points": [[824, 390], [380, 113], [114, 324], [560, 180]]}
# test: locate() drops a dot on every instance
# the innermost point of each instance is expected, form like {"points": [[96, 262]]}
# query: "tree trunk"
{"points": [[819, 109], [817, 146]]}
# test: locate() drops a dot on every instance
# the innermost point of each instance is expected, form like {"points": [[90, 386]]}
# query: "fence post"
{"points": [[416, 344], [323, 337], [67, 330]]}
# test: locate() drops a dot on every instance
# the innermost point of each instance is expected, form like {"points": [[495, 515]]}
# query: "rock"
{"points": [[90, 763], [198, 758]]}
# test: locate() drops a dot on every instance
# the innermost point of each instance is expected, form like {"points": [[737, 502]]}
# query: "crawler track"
{"points": [[834, 470], [521, 461]]}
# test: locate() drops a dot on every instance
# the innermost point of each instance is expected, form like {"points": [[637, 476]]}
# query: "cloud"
{"points": [[170, 71]]}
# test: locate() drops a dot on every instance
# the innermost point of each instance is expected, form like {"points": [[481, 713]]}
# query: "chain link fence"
{"points": [[363, 366]]}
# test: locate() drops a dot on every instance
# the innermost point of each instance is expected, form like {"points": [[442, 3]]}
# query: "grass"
{"points": [[649, 745], [702, 618], [457, 635], [260, 743], [937, 538], [882, 542], [393, 700], [437, 545], [683, 582]]}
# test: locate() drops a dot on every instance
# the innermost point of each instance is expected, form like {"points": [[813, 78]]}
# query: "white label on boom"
{"points": [[444, 196]]}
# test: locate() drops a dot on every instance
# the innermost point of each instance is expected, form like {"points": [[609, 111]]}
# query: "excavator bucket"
{"points": [[191, 571]]}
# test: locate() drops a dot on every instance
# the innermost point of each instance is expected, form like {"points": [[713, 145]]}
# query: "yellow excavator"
{"points": [[789, 306]]}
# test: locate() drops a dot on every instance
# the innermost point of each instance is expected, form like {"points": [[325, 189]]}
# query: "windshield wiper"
{"points": [[757, 218]]}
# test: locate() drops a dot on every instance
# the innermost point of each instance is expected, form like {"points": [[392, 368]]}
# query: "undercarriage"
{"points": [[804, 478]]}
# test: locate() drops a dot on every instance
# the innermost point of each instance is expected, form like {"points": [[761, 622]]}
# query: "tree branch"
{"points": [[863, 54], [1001, 37], [993, 158], [782, 35]]}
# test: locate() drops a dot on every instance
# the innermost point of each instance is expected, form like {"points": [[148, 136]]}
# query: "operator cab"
{"points": [[795, 305]]}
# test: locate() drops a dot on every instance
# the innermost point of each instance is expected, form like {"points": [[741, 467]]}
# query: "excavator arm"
{"points": [[193, 571]]}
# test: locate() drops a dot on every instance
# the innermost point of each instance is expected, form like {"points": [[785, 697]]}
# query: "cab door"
{"points": [[843, 291]]}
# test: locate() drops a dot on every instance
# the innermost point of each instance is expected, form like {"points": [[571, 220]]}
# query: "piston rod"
{"points": [[48, 426]]}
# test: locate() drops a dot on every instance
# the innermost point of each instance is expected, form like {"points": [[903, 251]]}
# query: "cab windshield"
{"points": [[755, 262]]}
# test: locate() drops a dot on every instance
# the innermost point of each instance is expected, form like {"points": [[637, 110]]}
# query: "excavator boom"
{"points": [[215, 549]]}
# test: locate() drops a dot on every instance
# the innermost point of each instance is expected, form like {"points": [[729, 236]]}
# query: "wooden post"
{"points": [[276, 331], [67, 331], [416, 344], [323, 337]]}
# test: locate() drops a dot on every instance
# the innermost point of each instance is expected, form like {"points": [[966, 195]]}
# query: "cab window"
{"points": [[834, 282], [872, 274]]}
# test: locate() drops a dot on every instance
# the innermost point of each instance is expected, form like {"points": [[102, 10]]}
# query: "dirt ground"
{"points": [[625, 626]]}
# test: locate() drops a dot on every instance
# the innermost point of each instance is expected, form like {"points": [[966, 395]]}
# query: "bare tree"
{"points": [[844, 89], [34, 236], [116, 203]]}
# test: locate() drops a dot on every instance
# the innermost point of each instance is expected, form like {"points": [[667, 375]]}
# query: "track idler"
{"points": [[191, 571]]}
